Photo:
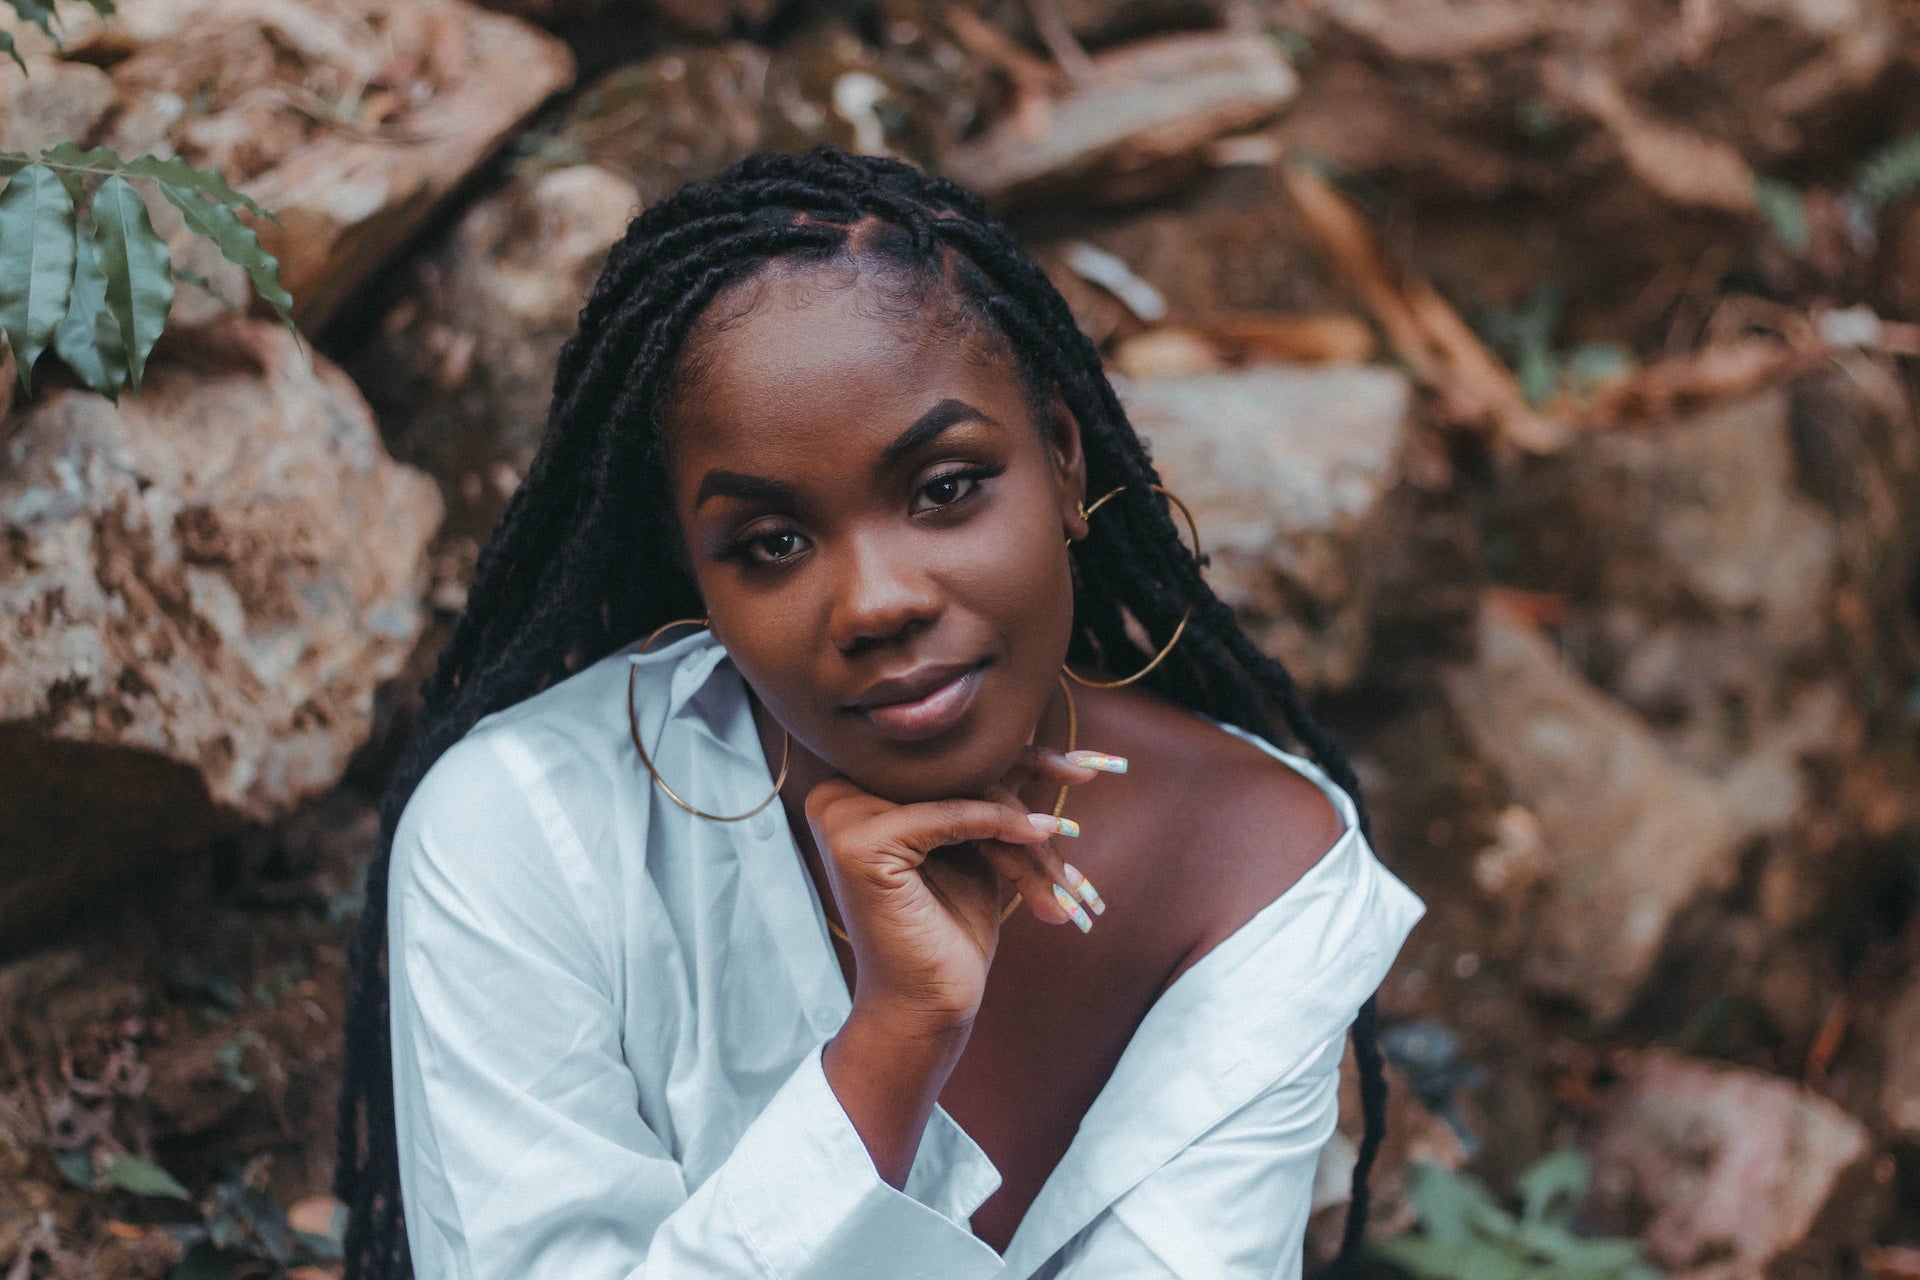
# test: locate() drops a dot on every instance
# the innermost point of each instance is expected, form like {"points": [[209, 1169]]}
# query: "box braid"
{"points": [[546, 598]]}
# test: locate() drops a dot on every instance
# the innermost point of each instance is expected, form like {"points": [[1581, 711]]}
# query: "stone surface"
{"points": [[1629, 836], [461, 373], [1135, 125], [1719, 1170], [199, 592], [351, 121], [1900, 1091], [1292, 475]]}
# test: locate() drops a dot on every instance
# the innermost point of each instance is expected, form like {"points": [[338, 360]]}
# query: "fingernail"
{"points": [[1084, 887], [1058, 826], [1099, 760], [1065, 899]]}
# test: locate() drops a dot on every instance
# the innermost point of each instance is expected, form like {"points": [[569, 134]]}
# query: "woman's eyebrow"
{"points": [[927, 426], [734, 484]]}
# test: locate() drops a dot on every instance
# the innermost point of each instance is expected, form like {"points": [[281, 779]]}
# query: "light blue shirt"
{"points": [[608, 1014]]}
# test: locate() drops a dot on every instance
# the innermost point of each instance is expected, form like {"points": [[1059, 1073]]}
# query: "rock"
{"points": [[1721, 1171], [199, 592], [1629, 836], [1702, 582], [54, 102], [1900, 1090], [1292, 476], [461, 373], [1136, 125], [259, 89], [689, 112]]}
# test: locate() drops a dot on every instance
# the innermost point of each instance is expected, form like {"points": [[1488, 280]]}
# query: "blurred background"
{"points": [[1541, 375]]}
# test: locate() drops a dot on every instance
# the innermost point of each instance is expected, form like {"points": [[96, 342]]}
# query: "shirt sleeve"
{"points": [[1233, 1205], [522, 1150]]}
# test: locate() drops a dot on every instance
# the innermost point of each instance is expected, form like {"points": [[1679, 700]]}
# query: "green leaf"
{"points": [[1890, 172], [12, 162], [237, 243], [6, 47], [76, 1167], [39, 13], [1784, 211], [179, 173], [144, 1178], [206, 1261], [88, 338], [139, 273], [36, 263], [1452, 1206], [1553, 1186]]}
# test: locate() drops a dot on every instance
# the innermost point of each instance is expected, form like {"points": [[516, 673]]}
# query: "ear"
{"points": [[1064, 447]]}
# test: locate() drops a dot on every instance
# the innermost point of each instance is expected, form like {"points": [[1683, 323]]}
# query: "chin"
{"points": [[907, 776]]}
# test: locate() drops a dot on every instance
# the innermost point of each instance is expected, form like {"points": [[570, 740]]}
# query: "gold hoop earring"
{"points": [[1193, 528], [633, 726]]}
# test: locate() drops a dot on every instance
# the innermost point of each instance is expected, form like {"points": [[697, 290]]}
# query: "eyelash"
{"points": [[743, 549]]}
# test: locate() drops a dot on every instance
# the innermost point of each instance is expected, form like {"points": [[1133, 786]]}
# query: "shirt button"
{"points": [[763, 826]]}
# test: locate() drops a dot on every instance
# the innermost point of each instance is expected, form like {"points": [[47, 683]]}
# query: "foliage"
{"points": [[1890, 172], [244, 1226], [1465, 1234], [88, 275], [40, 14]]}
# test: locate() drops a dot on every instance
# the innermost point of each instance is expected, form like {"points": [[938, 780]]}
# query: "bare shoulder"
{"points": [[1250, 825]]}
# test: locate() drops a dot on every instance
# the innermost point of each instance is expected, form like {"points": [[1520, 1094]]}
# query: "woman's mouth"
{"points": [[924, 712]]}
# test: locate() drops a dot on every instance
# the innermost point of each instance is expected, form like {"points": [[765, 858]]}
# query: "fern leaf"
{"points": [[138, 269], [237, 243], [36, 263]]}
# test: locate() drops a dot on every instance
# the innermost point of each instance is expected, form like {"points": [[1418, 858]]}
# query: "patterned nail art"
{"points": [[1058, 826], [1080, 917], [1099, 760], [1084, 887]]}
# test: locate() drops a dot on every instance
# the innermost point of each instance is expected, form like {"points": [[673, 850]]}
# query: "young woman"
{"points": [[802, 656]]}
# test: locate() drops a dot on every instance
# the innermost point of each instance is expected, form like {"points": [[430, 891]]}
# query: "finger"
{"points": [[1057, 768], [918, 829], [1050, 887], [1035, 880]]}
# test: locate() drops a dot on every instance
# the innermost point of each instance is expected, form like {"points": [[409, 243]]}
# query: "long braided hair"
{"points": [[545, 599]]}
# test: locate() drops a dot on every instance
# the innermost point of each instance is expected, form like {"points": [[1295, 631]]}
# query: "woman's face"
{"points": [[877, 526]]}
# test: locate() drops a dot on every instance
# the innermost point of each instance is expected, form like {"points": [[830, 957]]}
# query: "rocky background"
{"points": [[1542, 376]]}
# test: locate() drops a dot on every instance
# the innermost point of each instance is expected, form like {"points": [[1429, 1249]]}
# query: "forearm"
{"points": [[888, 1076]]}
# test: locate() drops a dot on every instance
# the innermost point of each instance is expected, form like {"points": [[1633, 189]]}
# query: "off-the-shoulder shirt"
{"points": [[608, 1014]]}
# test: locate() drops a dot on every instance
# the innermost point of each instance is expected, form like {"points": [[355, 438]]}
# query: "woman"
{"points": [[704, 948]]}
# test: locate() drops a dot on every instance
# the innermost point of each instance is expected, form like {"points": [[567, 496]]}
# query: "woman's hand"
{"points": [[919, 886]]}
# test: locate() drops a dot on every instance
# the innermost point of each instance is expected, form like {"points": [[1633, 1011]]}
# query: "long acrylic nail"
{"points": [[1084, 887], [1067, 904], [1099, 760], [1056, 826]]}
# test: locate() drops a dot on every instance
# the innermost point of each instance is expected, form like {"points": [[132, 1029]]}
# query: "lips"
{"points": [[921, 703]]}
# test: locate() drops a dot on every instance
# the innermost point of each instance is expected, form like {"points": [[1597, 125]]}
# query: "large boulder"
{"points": [[1136, 124], [200, 589], [1627, 835], [351, 121], [1723, 1172], [1293, 475], [461, 371]]}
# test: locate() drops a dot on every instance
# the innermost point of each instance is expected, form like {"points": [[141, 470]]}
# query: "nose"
{"points": [[883, 593]]}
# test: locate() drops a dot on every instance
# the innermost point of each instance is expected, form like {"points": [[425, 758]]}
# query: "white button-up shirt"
{"points": [[607, 1020]]}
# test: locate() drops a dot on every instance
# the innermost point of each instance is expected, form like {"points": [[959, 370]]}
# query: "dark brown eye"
{"points": [[772, 548], [944, 491]]}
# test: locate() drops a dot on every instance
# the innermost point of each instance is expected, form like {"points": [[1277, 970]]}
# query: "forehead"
{"points": [[829, 355]]}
